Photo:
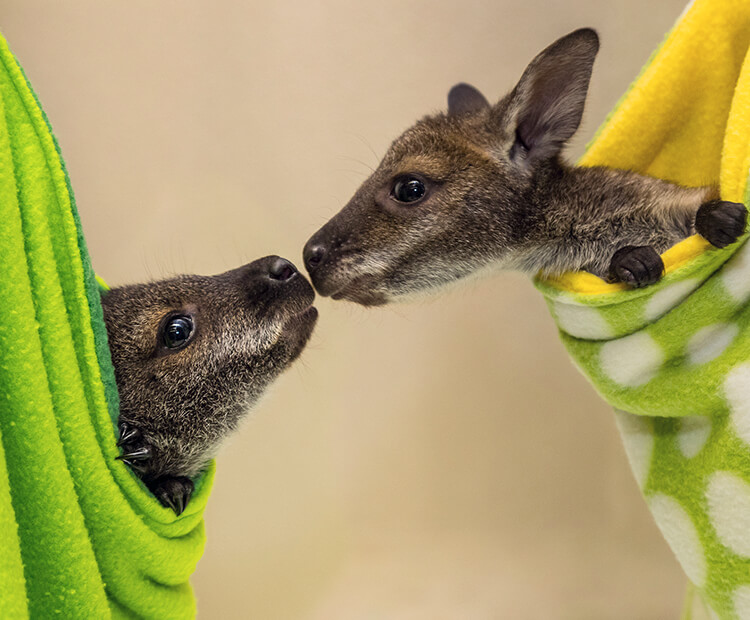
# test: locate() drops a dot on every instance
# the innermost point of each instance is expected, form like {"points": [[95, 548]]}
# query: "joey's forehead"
{"points": [[150, 316], [432, 153], [432, 165], [196, 293]]}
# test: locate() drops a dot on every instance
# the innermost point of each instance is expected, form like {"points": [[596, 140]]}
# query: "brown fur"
{"points": [[498, 195], [250, 324]]}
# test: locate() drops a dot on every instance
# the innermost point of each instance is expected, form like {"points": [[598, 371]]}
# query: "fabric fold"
{"points": [[81, 535], [674, 358]]}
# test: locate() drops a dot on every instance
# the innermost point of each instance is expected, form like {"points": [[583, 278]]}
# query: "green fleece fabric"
{"points": [[674, 358], [80, 536]]}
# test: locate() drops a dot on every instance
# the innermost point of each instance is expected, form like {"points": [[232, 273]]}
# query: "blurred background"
{"points": [[435, 461]]}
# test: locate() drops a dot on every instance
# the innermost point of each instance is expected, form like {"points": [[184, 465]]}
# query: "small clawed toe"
{"points": [[173, 492], [636, 266], [136, 452], [721, 222]]}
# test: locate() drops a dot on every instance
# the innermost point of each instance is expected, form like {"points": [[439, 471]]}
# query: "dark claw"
{"points": [[172, 492], [636, 266], [720, 222], [141, 454], [127, 433], [178, 504], [137, 452]]}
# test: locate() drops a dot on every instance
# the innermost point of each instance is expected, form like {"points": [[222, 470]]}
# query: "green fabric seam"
{"points": [[92, 288]]}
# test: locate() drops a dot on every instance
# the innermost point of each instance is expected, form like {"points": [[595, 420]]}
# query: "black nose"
{"points": [[281, 269], [313, 255]]}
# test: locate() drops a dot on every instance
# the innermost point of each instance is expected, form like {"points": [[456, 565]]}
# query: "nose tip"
{"points": [[281, 269], [314, 255]]}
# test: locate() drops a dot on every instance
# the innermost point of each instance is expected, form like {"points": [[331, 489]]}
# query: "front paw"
{"points": [[136, 451], [720, 222], [636, 266], [172, 491]]}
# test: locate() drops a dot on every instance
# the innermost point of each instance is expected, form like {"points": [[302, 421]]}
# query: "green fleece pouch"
{"points": [[674, 358], [80, 536]]}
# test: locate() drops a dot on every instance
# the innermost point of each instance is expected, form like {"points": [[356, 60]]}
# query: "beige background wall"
{"points": [[441, 460]]}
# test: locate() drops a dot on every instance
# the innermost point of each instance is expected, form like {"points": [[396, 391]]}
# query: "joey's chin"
{"points": [[342, 281], [328, 283], [361, 295], [360, 289], [303, 321], [297, 330]]}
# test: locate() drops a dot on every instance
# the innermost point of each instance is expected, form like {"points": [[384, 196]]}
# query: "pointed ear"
{"points": [[548, 100], [465, 99]]}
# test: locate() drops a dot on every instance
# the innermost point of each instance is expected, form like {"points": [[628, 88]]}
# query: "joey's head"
{"points": [[451, 195], [192, 354]]}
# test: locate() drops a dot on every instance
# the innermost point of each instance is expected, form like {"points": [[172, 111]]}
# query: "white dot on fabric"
{"points": [[693, 433], [741, 600], [581, 321], [667, 298], [632, 360], [736, 274], [681, 535], [737, 393], [638, 438], [728, 499], [708, 343]]}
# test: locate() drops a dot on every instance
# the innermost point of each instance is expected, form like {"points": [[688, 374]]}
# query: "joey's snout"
{"points": [[338, 266], [271, 267], [271, 284], [316, 254], [313, 255], [281, 269], [280, 300]]}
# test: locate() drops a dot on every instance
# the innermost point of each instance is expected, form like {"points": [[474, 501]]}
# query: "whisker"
{"points": [[358, 161], [364, 141]]}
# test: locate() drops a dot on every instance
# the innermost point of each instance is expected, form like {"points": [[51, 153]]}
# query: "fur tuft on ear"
{"points": [[548, 100], [465, 99]]}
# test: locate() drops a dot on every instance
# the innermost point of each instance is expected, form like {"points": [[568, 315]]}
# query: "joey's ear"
{"points": [[465, 99], [547, 103]]}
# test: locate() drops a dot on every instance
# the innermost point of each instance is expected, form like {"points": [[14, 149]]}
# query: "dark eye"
{"points": [[408, 189], [177, 331]]}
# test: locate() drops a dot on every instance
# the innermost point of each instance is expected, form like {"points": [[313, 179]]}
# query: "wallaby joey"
{"points": [[191, 355], [484, 186]]}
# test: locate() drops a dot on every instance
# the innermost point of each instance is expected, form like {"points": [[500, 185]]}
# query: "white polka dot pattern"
{"points": [[631, 361], [668, 298], [638, 437], [728, 499], [736, 274], [581, 321], [693, 434], [741, 600], [681, 535], [708, 343], [737, 392]]}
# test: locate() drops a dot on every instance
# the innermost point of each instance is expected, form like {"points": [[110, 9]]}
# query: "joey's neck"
{"points": [[630, 191], [576, 218]]}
